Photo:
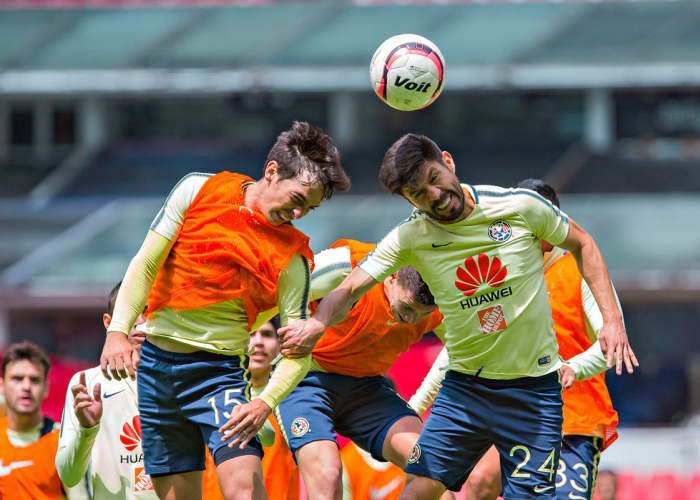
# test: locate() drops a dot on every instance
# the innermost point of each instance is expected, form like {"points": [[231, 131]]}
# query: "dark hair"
{"points": [[542, 188], [405, 159], [112, 299], [26, 350], [304, 148], [410, 278], [275, 320]]}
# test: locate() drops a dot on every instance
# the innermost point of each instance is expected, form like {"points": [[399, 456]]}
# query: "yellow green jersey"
{"points": [[486, 273]]}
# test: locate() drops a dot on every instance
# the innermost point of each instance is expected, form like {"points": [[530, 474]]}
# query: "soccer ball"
{"points": [[407, 72]]}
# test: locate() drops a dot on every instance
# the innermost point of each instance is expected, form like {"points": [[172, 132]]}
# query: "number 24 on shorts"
{"points": [[547, 466]]}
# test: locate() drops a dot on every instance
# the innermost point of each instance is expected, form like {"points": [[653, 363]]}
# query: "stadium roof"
{"points": [[327, 46]]}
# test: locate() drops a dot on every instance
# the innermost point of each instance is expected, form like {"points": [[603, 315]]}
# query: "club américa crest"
{"points": [[415, 455], [500, 231], [300, 426]]}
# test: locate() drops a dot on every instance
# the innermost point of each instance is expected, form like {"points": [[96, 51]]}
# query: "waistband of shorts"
{"points": [[180, 357], [549, 378]]}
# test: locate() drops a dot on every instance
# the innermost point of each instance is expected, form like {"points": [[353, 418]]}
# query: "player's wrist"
{"points": [[125, 334]]}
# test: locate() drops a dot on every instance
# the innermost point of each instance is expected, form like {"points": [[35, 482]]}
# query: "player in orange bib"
{"points": [[589, 417], [28, 440], [345, 390], [364, 477], [221, 250]]}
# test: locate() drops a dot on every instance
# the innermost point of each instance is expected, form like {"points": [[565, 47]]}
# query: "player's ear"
{"points": [[447, 158], [106, 319], [270, 171]]}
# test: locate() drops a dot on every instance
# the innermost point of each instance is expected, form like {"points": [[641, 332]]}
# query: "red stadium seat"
{"points": [[631, 486], [694, 487], [666, 486]]}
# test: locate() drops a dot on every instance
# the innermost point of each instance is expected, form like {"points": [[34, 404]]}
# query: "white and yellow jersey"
{"points": [[486, 274]]}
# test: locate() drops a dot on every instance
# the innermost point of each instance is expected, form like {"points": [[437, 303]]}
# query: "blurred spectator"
{"points": [[606, 485], [28, 439]]}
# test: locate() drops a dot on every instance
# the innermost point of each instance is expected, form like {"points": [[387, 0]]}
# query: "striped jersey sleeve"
{"points": [[170, 217], [294, 291]]}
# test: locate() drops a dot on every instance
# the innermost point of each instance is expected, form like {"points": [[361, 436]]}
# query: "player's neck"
{"points": [[252, 194], [260, 378], [23, 423]]}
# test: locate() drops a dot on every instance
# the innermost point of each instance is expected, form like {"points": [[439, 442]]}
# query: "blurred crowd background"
{"points": [[106, 104]]}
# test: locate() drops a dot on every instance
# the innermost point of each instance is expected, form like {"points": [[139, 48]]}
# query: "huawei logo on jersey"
{"points": [[131, 434], [478, 271]]}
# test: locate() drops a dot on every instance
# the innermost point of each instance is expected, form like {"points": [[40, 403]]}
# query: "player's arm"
{"points": [[428, 390], [592, 361], [331, 267], [380, 263], [75, 442], [332, 309], [592, 266], [293, 303], [118, 354]]}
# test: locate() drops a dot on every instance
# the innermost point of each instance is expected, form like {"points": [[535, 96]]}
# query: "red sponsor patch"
{"points": [[142, 481], [492, 319]]}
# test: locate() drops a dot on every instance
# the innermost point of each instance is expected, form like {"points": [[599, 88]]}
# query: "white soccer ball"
{"points": [[407, 72]]}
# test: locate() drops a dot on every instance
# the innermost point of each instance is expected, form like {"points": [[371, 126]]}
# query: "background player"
{"points": [[478, 250], [346, 391], [279, 469], [28, 439], [219, 252], [101, 432]]}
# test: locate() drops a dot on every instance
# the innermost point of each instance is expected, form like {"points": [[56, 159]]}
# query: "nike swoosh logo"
{"points": [[390, 323], [6, 470], [378, 493], [540, 489], [113, 394], [443, 245]]}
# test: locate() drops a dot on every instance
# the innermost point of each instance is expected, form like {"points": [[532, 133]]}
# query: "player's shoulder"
{"points": [[503, 195], [516, 199]]}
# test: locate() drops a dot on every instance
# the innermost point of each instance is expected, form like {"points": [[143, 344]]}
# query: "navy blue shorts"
{"points": [[521, 417], [361, 409], [183, 400], [578, 467]]}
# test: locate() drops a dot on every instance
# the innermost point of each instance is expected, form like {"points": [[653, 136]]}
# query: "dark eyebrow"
{"points": [[305, 201]]}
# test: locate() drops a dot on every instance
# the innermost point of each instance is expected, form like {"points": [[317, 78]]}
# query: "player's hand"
{"points": [[568, 376], [245, 422], [119, 357], [616, 347], [298, 339], [88, 409]]}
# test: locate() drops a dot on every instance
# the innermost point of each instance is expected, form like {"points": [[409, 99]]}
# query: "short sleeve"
{"points": [[390, 254], [331, 267], [169, 219], [293, 289], [547, 222]]}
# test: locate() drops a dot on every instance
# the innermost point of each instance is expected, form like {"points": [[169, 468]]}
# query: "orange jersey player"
{"points": [[345, 390], [365, 477], [221, 250], [29, 440]]}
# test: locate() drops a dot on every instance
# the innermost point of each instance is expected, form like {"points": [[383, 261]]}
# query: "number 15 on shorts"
{"points": [[228, 400]]}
